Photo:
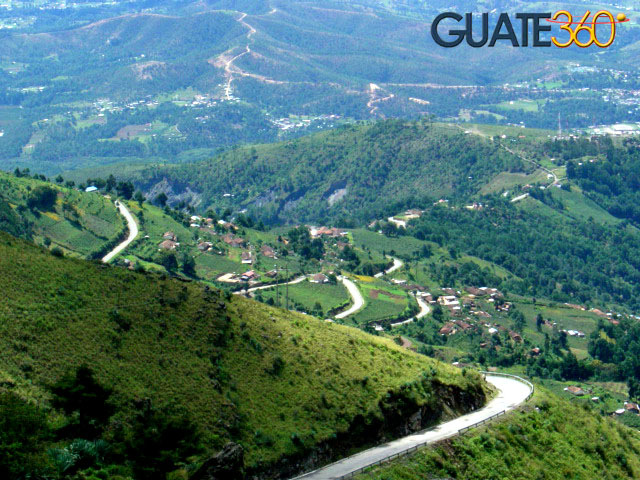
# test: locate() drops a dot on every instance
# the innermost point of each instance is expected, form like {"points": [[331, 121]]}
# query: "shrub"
{"points": [[23, 431]]}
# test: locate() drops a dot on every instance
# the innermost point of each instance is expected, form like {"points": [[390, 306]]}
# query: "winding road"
{"points": [[512, 393], [133, 232], [397, 265], [273, 285], [356, 296], [424, 311]]}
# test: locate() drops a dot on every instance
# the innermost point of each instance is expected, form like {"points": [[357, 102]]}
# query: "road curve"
{"points": [[511, 394], [273, 285], [356, 296], [397, 265], [424, 311], [133, 233]]}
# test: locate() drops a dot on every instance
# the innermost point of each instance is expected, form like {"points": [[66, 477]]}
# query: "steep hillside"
{"points": [[79, 223], [540, 442], [357, 172], [209, 368]]}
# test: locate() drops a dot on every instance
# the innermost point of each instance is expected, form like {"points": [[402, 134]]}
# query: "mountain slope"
{"points": [[537, 443], [357, 172], [281, 385], [79, 223]]}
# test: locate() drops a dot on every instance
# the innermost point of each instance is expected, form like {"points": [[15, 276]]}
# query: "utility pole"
{"points": [[277, 286], [287, 280], [559, 125]]}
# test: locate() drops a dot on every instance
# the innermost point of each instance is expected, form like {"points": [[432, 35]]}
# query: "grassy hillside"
{"points": [[535, 443], [76, 222], [278, 384], [358, 172]]}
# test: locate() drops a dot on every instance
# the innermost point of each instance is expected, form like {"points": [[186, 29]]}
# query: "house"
{"points": [[515, 336], [577, 391], [464, 326], [267, 251], [326, 232], [249, 276], [632, 407], [168, 245], [205, 246], [232, 241], [448, 329], [319, 278], [170, 236], [247, 258], [227, 225], [449, 301], [535, 352], [272, 273], [91, 189]]}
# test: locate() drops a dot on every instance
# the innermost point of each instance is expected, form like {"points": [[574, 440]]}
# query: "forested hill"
{"points": [[358, 172]]}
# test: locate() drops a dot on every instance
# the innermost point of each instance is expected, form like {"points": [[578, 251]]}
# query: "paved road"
{"points": [[266, 287], [511, 394], [521, 197], [133, 233], [397, 265], [356, 296], [424, 311]]}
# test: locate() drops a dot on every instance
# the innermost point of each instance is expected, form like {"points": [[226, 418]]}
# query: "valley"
{"points": [[292, 239]]}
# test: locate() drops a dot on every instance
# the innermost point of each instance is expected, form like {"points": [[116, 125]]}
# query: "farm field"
{"points": [[307, 296]]}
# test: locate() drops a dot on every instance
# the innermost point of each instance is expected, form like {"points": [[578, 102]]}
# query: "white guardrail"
{"points": [[460, 432]]}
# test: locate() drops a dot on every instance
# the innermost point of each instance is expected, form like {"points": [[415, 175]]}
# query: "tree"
{"points": [[125, 190], [161, 199], [188, 265], [159, 440], [80, 395], [42, 198], [23, 431], [110, 183], [169, 261], [59, 179], [139, 197], [539, 322]]}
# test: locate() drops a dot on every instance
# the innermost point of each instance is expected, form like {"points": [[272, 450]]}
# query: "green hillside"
{"points": [[548, 439], [78, 223], [199, 369], [357, 173]]}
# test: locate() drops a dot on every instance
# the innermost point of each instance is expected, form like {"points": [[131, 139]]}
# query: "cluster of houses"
{"points": [[169, 242], [321, 232], [628, 407]]}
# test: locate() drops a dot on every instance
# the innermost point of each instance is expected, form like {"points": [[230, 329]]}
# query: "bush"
{"points": [[42, 198], [23, 432]]}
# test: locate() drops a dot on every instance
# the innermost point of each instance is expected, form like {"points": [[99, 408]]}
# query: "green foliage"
{"points": [[185, 350], [79, 395], [42, 197], [23, 432], [380, 168], [535, 443]]}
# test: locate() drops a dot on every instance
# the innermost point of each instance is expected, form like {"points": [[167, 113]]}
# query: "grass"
{"points": [[507, 181], [524, 105], [306, 294], [550, 438], [187, 346], [382, 302], [86, 227]]}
